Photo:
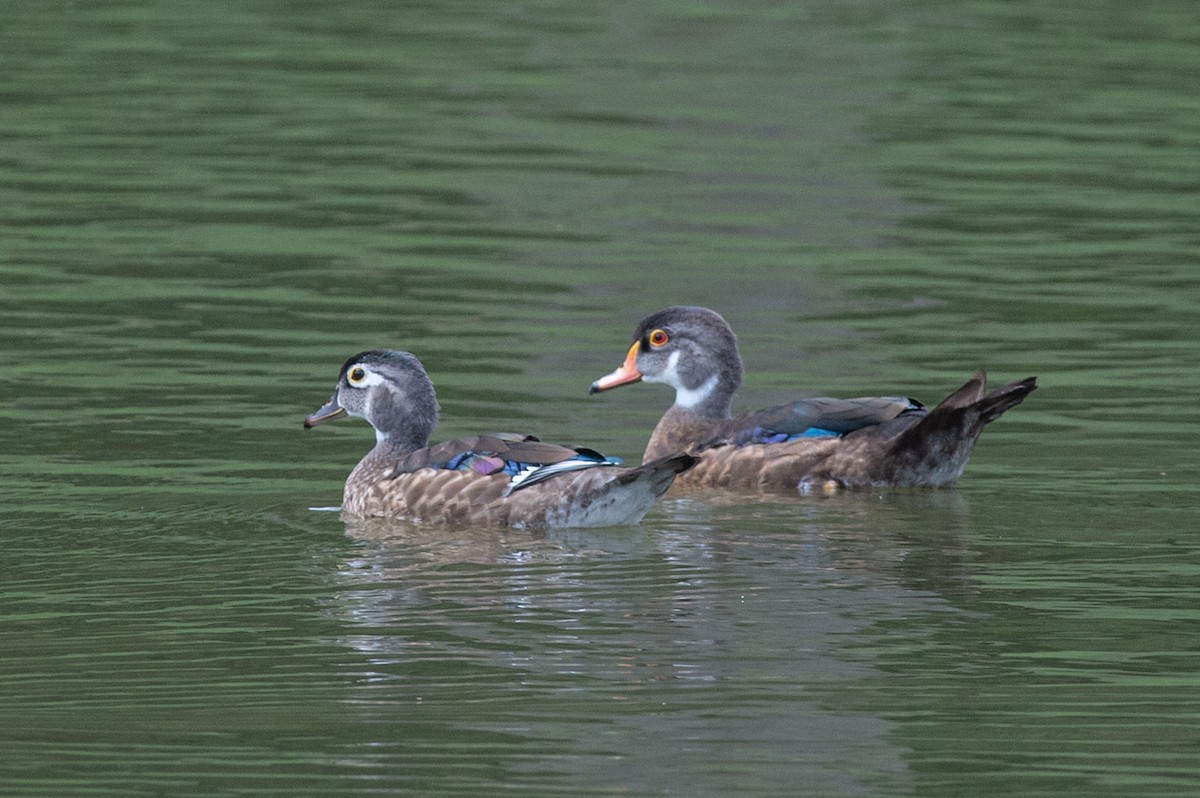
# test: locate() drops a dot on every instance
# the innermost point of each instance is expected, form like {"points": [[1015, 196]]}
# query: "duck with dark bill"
{"points": [[494, 480]]}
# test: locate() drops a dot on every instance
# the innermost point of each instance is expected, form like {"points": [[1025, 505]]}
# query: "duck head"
{"points": [[391, 391], [693, 350]]}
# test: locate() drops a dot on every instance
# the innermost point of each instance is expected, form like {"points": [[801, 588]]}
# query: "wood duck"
{"points": [[494, 480], [818, 444]]}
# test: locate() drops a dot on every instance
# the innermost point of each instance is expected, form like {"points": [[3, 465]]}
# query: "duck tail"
{"points": [[662, 471], [628, 496], [934, 451]]}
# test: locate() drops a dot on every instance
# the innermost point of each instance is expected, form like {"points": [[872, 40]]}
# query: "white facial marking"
{"points": [[369, 379], [686, 398], [689, 398], [669, 375]]}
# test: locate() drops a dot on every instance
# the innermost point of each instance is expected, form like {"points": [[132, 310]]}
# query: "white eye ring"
{"points": [[359, 376]]}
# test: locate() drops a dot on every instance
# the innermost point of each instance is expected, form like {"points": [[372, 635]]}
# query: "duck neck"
{"points": [[402, 423], [680, 430], [399, 443], [711, 399], [696, 417], [400, 430], [378, 463]]}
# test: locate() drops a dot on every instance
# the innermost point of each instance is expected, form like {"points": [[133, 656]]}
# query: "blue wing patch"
{"points": [[763, 435], [526, 474], [534, 474], [483, 464]]}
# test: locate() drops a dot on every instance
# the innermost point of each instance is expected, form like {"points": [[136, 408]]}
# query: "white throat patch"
{"points": [[686, 398], [689, 398]]}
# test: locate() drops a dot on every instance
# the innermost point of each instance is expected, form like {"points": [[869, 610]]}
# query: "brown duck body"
{"points": [[912, 448], [381, 486], [869, 441], [484, 480]]}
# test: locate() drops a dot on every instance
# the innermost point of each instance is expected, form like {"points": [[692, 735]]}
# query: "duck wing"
{"points": [[524, 458], [818, 416]]}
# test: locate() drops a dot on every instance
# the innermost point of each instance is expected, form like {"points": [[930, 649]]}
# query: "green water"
{"points": [[204, 210]]}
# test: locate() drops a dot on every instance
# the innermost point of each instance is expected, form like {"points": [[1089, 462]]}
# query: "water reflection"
{"points": [[656, 646]]}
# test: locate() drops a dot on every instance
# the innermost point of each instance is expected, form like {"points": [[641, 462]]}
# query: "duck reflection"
{"points": [[716, 619]]}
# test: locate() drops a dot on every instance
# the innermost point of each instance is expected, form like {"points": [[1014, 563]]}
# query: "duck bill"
{"points": [[327, 412], [627, 373]]}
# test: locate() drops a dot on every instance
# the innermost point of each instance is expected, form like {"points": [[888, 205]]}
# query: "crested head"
{"points": [[693, 315], [391, 390], [384, 360], [694, 350]]}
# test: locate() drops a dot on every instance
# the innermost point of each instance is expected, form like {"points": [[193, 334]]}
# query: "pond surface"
{"points": [[202, 214]]}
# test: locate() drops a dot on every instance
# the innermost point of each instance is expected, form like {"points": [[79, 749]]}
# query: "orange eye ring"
{"points": [[658, 338]]}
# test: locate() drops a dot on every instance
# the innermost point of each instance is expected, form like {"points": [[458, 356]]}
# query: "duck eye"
{"points": [[356, 375], [659, 338]]}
